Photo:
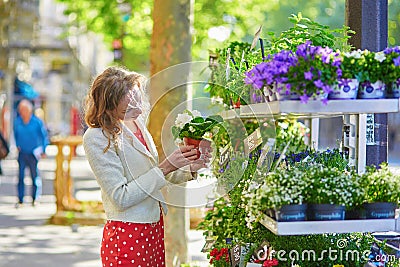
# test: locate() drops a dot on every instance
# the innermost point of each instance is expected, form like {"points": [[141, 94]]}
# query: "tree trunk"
{"points": [[170, 46]]}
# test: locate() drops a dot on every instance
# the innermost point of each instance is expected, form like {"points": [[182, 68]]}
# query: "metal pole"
{"points": [[369, 19]]}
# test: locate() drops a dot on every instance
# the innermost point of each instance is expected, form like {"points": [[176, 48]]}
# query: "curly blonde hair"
{"points": [[105, 93]]}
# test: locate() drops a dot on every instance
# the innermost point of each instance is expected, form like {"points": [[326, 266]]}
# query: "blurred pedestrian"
{"points": [[31, 139], [124, 159], [4, 150]]}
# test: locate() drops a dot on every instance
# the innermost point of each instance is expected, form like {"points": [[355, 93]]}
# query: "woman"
{"points": [[123, 157]]}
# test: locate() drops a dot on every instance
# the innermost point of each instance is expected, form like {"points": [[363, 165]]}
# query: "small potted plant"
{"points": [[392, 71], [315, 72], [382, 192], [282, 195], [350, 70], [308, 72], [330, 191], [372, 74], [220, 257], [191, 128]]}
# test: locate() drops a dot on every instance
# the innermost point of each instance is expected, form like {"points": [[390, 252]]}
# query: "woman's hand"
{"points": [[181, 157], [202, 161]]}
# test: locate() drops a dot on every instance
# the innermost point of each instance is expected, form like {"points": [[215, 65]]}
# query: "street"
{"points": [[26, 237]]}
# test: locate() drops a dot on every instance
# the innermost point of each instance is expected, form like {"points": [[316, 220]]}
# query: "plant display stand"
{"points": [[355, 114], [321, 227]]}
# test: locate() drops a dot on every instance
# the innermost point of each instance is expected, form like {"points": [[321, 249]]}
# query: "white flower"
{"points": [[191, 129], [207, 135], [196, 113], [182, 119], [178, 141], [253, 185], [379, 56], [354, 54]]}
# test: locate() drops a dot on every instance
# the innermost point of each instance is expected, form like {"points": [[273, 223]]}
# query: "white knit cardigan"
{"points": [[128, 175]]}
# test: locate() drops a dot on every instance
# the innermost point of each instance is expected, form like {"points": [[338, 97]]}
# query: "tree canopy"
{"points": [[215, 22]]}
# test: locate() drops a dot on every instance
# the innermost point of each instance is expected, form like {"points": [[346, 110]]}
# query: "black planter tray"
{"points": [[341, 226]]}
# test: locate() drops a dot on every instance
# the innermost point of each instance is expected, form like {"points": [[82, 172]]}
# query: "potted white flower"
{"points": [[382, 192], [191, 128], [281, 195], [347, 82], [392, 71], [372, 75], [330, 191]]}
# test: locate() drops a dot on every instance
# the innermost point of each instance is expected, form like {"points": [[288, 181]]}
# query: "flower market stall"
{"points": [[294, 204]]}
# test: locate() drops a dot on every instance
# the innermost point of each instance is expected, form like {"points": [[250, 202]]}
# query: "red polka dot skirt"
{"points": [[133, 244]]}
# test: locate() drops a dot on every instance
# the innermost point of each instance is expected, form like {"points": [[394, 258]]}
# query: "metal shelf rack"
{"points": [[320, 227], [354, 113]]}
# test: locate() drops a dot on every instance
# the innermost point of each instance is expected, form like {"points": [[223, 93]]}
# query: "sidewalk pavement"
{"points": [[26, 237]]}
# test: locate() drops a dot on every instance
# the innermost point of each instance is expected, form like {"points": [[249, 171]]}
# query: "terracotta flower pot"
{"points": [[201, 145]]}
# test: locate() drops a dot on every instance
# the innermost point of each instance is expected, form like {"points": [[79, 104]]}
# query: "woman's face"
{"points": [[130, 106]]}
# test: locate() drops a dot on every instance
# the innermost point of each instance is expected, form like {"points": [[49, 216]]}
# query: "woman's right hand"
{"points": [[181, 157]]}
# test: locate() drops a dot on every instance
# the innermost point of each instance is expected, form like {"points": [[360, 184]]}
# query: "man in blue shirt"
{"points": [[31, 140]]}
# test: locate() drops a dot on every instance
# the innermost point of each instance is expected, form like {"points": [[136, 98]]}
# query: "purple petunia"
{"points": [[304, 98], [327, 89], [344, 82], [396, 61], [308, 75], [319, 83], [309, 70]]}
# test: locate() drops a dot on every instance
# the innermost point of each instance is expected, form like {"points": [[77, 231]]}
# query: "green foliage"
{"points": [[194, 126], [229, 84], [305, 29], [342, 247], [331, 158], [290, 133], [228, 217], [330, 185], [241, 18], [381, 185], [230, 174], [105, 18], [227, 221]]}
